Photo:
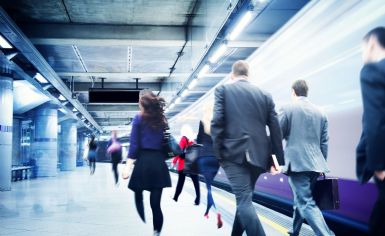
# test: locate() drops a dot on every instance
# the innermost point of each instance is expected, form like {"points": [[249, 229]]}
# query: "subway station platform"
{"points": [[76, 203]]}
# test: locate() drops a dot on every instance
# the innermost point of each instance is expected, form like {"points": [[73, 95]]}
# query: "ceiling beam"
{"points": [[112, 108], [84, 87], [105, 35], [134, 75]]}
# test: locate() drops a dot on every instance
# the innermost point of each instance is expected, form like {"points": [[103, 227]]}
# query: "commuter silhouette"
{"points": [[92, 148], [146, 146], [238, 129], [371, 148], [305, 129], [114, 148], [207, 164], [184, 143]]}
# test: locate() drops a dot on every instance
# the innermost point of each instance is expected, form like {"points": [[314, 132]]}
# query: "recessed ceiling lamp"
{"points": [[41, 78], [4, 43], [240, 26], [218, 53]]}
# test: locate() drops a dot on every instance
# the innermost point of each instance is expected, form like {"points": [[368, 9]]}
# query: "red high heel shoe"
{"points": [[219, 221]]}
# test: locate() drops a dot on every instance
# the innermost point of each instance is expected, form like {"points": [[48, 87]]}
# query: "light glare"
{"points": [[240, 26]]}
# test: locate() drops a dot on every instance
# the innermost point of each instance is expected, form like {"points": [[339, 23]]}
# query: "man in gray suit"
{"points": [[238, 129], [305, 129]]}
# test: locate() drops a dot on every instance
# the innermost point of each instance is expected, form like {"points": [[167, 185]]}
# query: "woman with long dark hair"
{"points": [[92, 148], [146, 147]]}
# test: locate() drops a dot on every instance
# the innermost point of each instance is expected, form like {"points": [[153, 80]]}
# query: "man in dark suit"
{"points": [[371, 148], [238, 129]]}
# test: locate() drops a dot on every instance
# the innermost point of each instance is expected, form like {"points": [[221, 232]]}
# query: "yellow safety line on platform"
{"points": [[264, 219]]}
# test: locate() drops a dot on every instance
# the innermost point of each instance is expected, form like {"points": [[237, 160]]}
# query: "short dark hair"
{"points": [[379, 33], [300, 88], [240, 68]]}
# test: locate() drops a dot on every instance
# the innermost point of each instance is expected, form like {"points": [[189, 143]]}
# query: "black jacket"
{"points": [[238, 129], [206, 141], [371, 148]]}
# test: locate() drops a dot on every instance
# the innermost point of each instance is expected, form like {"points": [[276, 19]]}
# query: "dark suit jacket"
{"points": [[371, 148], [242, 109]]}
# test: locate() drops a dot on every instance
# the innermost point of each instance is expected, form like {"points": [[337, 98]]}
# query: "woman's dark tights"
{"points": [[157, 215]]}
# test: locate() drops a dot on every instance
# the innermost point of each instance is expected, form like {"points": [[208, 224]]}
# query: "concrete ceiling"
{"points": [[84, 41]]}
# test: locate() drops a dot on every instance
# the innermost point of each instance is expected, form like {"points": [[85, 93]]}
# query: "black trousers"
{"points": [[92, 165], [157, 215], [377, 218], [179, 185], [115, 170], [242, 179]]}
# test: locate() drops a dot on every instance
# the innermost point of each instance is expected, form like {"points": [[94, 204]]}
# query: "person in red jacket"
{"points": [[184, 143]]}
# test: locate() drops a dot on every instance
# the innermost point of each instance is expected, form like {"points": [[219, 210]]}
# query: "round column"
{"points": [[81, 148], [6, 118], [45, 140], [68, 146], [16, 142]]}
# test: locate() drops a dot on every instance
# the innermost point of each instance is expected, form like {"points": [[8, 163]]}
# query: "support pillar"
{"points": [[68, 141], [6, 116], [81, 149], [16, 142], [45, 140]]}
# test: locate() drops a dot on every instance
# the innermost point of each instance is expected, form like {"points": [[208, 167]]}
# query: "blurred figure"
{"points": [[92, 148], [114, 148], [184, 143], [207, 163], [371, 148], [238, 129], [305, 129], [146, 146]]}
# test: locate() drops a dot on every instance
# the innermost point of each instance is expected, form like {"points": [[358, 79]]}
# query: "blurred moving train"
{"points": [[321, 44]]}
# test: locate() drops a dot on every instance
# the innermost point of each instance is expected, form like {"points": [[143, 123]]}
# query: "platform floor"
{"points": [[75, 203]]}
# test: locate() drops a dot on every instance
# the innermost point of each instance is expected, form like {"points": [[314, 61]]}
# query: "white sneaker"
{"points": [[156, 233]]}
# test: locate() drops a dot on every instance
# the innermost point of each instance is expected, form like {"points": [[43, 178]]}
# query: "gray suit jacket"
{"points": [[305, 129], [241, 113]]}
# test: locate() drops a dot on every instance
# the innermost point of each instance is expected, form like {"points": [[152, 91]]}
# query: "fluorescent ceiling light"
{"points": [[41, 78], [74, 110], [63, 111], [62, 98], [4, 43], [218, 53], [240, 26], [178, 100], [203, 71], [184, 93], [171, 106], [193, 83]]}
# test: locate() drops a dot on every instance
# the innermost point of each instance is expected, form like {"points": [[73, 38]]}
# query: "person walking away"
{"points": [[371, 148], [114, 148], [92, 148], [150, 172], [238, 130], [305, 129], [207, 163], [184, 143]]}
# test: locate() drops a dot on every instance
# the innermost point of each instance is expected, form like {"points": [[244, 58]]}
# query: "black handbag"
{"points": [[190, 158], [171, 146], [325, 193]]}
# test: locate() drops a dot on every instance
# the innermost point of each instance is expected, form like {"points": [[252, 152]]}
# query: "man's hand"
{"points": [[275, 171], [380, 174]]}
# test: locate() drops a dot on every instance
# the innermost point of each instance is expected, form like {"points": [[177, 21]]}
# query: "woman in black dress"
{"points": [[146, 147]]}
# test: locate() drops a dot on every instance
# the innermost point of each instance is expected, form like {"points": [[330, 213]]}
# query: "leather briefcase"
{"points": [[326, 193]]}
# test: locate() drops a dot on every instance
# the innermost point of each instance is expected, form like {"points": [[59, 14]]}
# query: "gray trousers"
{"points": [[242, 180], [302, 184]]}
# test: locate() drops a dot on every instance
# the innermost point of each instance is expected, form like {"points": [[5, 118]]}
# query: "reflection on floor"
{"points": [[75, 203]]}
